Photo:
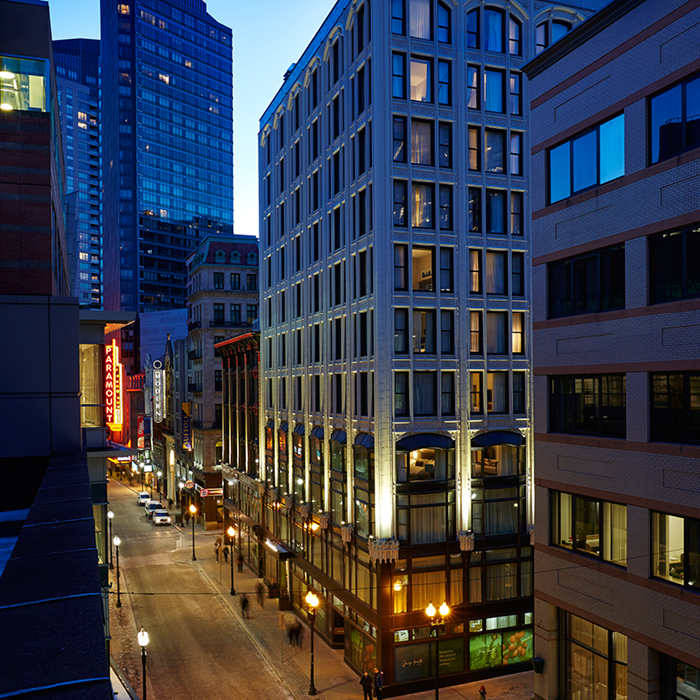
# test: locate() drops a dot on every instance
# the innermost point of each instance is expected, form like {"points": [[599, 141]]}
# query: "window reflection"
{"points": [[22, 84]]}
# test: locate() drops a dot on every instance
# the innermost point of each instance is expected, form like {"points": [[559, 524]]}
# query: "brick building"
{"points": [[615, 136]]}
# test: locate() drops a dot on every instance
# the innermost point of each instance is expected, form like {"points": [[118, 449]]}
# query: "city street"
{"points": [[199, 644]]}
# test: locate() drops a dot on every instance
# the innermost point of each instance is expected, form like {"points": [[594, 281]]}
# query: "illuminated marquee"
{"points": [[114, 383], [158, 389]]}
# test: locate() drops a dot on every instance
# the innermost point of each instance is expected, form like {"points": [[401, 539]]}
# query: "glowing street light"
{"points": [[117, 542], [437, 623], [312, 604], [231, 534], [143, 642], [110, 515], [193, 512]]}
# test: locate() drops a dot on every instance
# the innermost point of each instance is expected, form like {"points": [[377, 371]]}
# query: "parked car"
{"points": [[142, 498], [161, 517], [151, 507]]}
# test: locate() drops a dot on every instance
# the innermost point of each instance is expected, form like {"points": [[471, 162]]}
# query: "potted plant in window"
{"points": [[273, 589], [283, 601]]}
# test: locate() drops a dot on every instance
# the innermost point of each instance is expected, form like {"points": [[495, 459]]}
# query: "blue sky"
{"points": [[267, 38]]}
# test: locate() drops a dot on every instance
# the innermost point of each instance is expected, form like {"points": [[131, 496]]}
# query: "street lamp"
{"points": [[159, 476], [180, 486], [117, 542], [437, 623], [193, 511], [143, 641], [110, 515], [231, 534], [312, 603]]}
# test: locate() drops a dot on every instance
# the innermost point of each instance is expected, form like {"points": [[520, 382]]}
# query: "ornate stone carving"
{"points": [[261, 487], [346, 532], [288, 502], [384, 550], [466, 541], [304, 511], [324, 520], [531, 532]]}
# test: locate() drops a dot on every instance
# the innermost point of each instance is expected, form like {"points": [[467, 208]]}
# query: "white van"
{"points": [[142, 498]]}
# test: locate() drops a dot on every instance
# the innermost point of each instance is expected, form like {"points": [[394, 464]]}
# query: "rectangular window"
{"points": [[446, 270], [361, 151], [218, 280], [473, 97], [493, 90], [474, 209], [446, 207], [493, 30], [447, 332], [398, 79], [496, 272], [515, 99], [473, 29], [497, 392], [516, 213], [447, 393], [338, 391], [444, 83], [590, 283], [252, 282], [421, 19], [424, 331], [476, 382], [400, 331], [401, 393], [517, 274], [496, 336], [588, 405], [421, 79], [475, 345], [398, 17], [496, 211], [676, 549], [421, 142], [338, 338], [445, 145], [400, 267], [424, 393], [674, 265], [514, 37], [474, 151], [495, 151], [518, 392], [399, 126], [675, 407], [590, 526], [516, 153], [423, 210], [236, 280], [218, 314], [400, 196], [423, 260], [518, 333], [475, 271], [235, 314], [675, 119], [317, 342], [589, 159]]}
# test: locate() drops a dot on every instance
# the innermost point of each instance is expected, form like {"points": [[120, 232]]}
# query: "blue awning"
{"points": [[365, 440], [270, 424], [283, 426], [339, 436], [299, 429], [497, 437], [317, 432], [421, 440]]}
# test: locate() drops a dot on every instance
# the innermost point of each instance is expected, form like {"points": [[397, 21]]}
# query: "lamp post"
{"points": [[312, 603], [110, 516], [193, 512], [436, 624], [231, 534], [160, 474], [180, 486], [117, 542], [143, 641]]}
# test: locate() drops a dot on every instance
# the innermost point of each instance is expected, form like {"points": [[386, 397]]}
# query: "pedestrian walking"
{"points": [[187, 517], [240, 563], [216, 550], [290, 634], [298, 635], [378, 683], [366, 683], [170, 503], [245, 604], [226, 554], [259, 589]]}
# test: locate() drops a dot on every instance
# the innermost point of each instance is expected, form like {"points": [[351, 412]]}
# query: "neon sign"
{"points": [[114, 409], [158, 403]]}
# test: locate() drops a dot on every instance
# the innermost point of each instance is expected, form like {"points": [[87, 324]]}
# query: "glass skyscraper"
{"points": [[167, 110], [77, 78]]}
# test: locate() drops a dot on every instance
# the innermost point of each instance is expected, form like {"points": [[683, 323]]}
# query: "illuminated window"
{"points": [[164, 78], [123, 9]]}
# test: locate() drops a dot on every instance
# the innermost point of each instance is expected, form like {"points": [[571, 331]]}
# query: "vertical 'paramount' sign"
{"points": [[158, 389], [114, 416]]}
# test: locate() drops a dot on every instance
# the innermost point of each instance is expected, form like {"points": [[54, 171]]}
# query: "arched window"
{"points": [[252, 258], [444, 28], [298, 461], [548, 32], [338, 477], [364, 493], [220, 256], [316, 464], [514, 34], [235, 256]]}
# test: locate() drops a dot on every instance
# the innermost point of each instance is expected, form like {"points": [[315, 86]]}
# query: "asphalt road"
{"points": [[197, 648]]}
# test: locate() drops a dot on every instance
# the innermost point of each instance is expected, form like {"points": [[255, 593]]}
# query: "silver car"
{"points": [[152, 506], [161, 517]]}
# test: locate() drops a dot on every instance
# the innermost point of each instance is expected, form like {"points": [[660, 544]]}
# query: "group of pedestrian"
{"points": [[295, 634], [372, 685]]}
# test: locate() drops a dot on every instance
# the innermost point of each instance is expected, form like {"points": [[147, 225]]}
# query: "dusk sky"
{"points": [[267, 38]]}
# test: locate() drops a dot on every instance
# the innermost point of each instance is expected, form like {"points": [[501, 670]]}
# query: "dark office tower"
{"points": [[77, 78], [167, 139]]}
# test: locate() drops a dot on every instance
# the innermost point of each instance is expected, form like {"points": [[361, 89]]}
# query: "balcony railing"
{"points": [[193, 325], [195, 354], [230, 324]]}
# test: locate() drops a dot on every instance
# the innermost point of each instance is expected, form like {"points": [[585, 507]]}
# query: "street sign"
{"points": [[189, 484], [204, 493]]}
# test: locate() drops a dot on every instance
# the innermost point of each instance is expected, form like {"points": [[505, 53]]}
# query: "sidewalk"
{"points": [[334, 679]]}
